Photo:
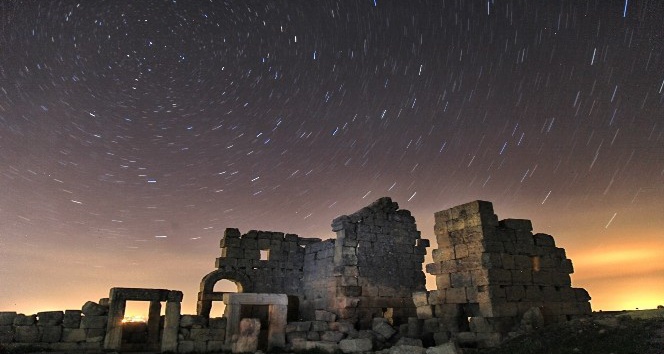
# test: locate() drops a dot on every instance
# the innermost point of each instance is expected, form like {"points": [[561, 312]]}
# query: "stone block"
{"points": [[343, 327], [382, 327], [440, 338], [95, 322], [200, 347], [217, 322], [461, 279], [92, 308], [424, 312], [50, 334], [445, 347], [217, 334], [95, 335], [185, 346], [407, 349], [304, 326], [544, 240], [414, 342], [326, 316], [25, 320], [7, 318], [515, 293], [6, 334], [581, 294], [73, 335], [50, 318], [199, 334], [77, 347], [292, 337], [313, 336], [331, 336], [193, 321], [319, 326], [489, 340], [216, 346], [421, 298], [26, 334], [455, 296], [359, 345]]}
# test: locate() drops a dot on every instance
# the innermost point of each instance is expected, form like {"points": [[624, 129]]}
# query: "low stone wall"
{"points": [[199, 334], [68, 330]]}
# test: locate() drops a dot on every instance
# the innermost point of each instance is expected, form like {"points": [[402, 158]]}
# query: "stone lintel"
{"points": [[255, 299]]}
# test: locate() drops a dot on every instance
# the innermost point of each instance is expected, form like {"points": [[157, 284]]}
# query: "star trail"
{"points": [[132, 133]]}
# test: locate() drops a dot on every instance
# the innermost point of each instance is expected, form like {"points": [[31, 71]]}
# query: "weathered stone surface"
{"points": [[199, 334], [6, 334], [50, 318], [217, 322], [325, 316], [95, 335], [356, 345], [298, 326], [446, 348], [413, 342], [25, 320], [76, 347], [92, 308], [185, 346], [532, 319], [50, 334], [73, 335], [192, 321], [331, 336], [7, 318], [382, 327], [323, 346], [407, 349], [217, 334], [247, 338], [26, 334], [90, 321], [72, 319]]}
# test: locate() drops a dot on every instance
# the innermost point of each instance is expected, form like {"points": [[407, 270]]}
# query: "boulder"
{"points": [[382, 327], [447, 348], [247, 339], [414, 342], [407, 349], [356, 345], [92, 308], [331, 336]]}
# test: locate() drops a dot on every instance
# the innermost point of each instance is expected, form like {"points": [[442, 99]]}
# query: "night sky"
{"points": [[132, 133]]}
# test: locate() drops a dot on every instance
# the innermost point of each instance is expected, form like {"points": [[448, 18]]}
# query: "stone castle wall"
{"points": [[70, 330], [492, 275], [318, 282], [378, 263]]}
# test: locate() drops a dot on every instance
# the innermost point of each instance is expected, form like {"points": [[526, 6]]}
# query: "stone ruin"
{"points": [[361, 291]]}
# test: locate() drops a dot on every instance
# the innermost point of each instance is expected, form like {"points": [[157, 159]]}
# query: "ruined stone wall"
{"points": [[318, 282], [70, 330], [493, 277], [378, 263], [280, 272]]}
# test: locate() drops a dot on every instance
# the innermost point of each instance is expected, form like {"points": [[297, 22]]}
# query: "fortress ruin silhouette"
{"points": [[363, 290]]}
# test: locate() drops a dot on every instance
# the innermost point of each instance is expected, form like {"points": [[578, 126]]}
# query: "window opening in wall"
{"points": [[134, 325], [536, 263], [265, 255], [222, 286]]}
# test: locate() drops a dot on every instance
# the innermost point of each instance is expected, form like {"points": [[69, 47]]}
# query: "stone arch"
{"points": [[207, 294]]}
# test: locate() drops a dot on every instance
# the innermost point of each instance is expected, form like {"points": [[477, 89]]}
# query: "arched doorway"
{"points": [[208, 294]]}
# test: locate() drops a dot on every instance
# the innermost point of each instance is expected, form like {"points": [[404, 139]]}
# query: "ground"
{"points": [[625, 332]]}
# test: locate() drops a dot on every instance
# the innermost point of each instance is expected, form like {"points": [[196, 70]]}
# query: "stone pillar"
{"points": [[276, 335], [233, 323], [153, 324], [116, 313], [169, 339]]}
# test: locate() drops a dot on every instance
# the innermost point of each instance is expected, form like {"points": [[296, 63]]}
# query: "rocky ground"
{"points": [[624, 332]]}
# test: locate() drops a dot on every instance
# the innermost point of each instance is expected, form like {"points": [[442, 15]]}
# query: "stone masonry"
{"points": [[493, 277]]}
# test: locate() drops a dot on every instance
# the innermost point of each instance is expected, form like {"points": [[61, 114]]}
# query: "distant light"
{"points": [[161, 236]]}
